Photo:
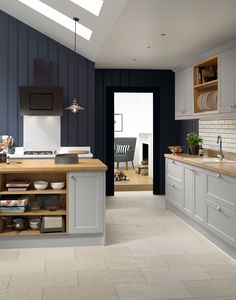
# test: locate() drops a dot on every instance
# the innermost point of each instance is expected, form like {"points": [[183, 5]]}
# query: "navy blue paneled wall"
{"points": [[182, 129], [165, 132], [20, 44]]}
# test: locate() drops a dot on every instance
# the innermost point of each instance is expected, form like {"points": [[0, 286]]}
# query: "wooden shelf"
{"points": [[206, 112], [33, 175], [34, 192], [41, 212], [27, 232], [206, 85]]}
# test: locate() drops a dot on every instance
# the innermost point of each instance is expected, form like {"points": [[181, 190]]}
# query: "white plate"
{"points": [[199, 99], [204, 105]]}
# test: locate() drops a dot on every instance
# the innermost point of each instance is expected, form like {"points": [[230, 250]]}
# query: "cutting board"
{"points": [[78, 151]]}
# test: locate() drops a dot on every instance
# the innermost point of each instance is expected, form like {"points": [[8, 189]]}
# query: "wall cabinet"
{"points": [[211, 99], [227, 67], [86, 202], [207, 197], [184, 94]]}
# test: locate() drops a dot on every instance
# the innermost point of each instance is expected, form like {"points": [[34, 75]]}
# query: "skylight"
{"points": [[93, 6], [58, 17]]}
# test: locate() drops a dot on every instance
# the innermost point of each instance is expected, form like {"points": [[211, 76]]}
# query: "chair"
{"points": [[124, 149]]}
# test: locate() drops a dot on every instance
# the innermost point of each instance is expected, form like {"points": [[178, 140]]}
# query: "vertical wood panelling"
{"points": [[91, 105], [12, 80], [83, 94], [20, 44], [33, 46], [162, 84], [4, 73]]}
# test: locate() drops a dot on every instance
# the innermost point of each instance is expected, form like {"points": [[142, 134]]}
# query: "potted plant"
{"points": [[193, 140]]}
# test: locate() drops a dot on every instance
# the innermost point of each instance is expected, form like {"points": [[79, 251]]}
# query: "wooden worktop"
{"points": [[225, 168], [48, 165]]}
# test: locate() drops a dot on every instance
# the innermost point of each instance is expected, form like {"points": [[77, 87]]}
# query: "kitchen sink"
{"points": [[208, 160]]}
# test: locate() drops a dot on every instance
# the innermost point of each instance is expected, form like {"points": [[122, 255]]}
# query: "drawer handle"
{"points": [[218, 208], [218, 175]]}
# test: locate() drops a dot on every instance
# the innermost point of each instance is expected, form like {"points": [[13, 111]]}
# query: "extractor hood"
{"points": [[41, 99]]}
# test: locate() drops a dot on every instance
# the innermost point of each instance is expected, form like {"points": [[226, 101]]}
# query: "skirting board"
{"points": [[52, 241], [228, 249]]}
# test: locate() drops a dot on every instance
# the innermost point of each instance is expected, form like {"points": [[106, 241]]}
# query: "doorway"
{"points": [[133, 136], [109, 146]]}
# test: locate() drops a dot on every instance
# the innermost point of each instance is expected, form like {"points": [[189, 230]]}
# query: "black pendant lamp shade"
{"points": [[75, 107]]}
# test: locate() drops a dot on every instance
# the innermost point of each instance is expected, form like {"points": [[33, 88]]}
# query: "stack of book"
{"points": [[13, 204], [18, 185]]}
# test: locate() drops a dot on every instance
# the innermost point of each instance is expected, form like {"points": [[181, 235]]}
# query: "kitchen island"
{"points": [[81, 202]]}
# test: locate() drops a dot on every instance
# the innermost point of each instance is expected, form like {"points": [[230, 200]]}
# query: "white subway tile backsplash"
{"points": [[209, 130]]}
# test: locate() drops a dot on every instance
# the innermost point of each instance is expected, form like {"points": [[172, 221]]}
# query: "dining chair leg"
{"points": [[133, 164], [126, 165], [117, 165]]}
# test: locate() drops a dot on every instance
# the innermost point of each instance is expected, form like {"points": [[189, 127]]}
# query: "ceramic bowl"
{"points": [[34, 223], [40, 185], [176, 149], [57, 185]]}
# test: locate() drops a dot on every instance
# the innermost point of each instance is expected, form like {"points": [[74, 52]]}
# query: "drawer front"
{"points": [[221, 221], [174, 193], [222, 189], [174, 171]]}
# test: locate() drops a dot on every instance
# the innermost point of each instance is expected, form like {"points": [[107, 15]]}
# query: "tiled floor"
{"points": [[150, 255]]}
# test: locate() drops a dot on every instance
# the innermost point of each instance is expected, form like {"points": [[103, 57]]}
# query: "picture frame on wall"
{"points": [[118, 122]]}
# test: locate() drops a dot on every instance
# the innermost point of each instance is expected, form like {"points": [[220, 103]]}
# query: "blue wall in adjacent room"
{"points": [[20, 44]]}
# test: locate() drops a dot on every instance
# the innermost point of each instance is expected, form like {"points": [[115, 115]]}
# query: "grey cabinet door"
{"points": [[86, 202], [226, 81], [194, 193]]}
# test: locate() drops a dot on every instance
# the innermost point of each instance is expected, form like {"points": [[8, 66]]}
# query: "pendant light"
{"points": [[75, 107]]}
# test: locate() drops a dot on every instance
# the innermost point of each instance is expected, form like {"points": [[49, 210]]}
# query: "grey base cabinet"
{"points": [[206, 197], [86, 202]]}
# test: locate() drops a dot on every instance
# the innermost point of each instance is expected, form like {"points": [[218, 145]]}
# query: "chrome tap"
{"points": [[220, 155]]}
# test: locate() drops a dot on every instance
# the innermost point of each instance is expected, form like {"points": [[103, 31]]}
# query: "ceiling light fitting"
{"points": [[75, 107]]}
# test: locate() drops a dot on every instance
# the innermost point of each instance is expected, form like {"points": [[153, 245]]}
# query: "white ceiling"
{"points": [[125, 28]]}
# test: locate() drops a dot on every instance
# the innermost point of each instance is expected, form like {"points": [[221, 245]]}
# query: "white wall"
{"points": [[137, 110]]}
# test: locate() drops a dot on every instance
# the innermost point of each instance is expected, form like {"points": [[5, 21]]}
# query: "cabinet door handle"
{"points": [[173, 162], [73, 177], [218, 208], [233, 105], [218, 175]]}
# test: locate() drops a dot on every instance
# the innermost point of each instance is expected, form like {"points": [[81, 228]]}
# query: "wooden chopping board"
{"points": [[78, 151]]}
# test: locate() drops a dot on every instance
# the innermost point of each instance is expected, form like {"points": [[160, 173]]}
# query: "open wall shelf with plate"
{"points": [[205, 86]]}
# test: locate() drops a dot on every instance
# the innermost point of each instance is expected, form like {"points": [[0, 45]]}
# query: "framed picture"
{"points": [[118, 122]]}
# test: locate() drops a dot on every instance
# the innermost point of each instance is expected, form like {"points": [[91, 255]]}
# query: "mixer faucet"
{"points": [[220, 155]]}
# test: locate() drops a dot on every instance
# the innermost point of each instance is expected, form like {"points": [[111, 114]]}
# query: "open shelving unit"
{"points": [[205, 83], [32, 193]]}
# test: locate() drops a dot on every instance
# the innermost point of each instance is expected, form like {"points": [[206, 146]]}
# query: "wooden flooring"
{"points": [[137, 182]]}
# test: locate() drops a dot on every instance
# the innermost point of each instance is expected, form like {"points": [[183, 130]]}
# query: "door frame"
{"points": [[110, 134]]}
